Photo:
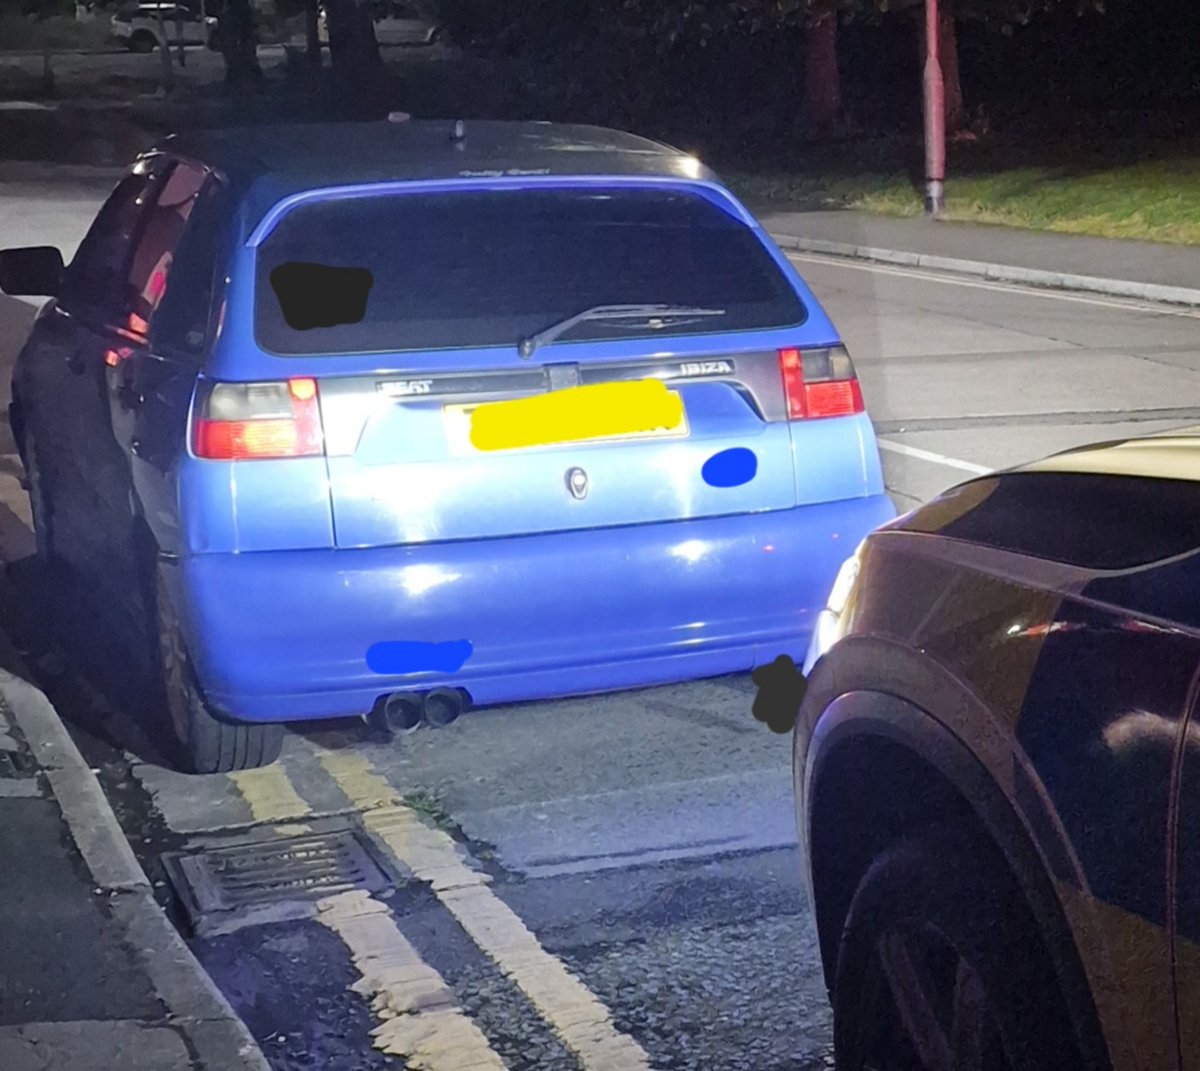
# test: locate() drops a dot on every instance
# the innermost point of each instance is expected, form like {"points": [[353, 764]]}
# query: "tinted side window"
{"points": [[94, 279], [154, 252], [182, 320], [1083, 519]]}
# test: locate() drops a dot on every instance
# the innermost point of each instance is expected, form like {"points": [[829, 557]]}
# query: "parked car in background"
{"points": [[255, 414], [395, 24], [997, 770], [139, 28]]}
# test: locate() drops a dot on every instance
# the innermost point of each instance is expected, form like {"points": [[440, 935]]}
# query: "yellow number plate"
{"points": [[644, 408]]}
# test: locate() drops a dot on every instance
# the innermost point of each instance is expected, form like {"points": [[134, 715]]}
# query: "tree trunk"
{"points": [[822, 84], [312, 31], [956, 114], [239, 45], [353, 51], [166, 74]]}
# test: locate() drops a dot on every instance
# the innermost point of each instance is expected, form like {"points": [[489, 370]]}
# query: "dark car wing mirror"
{"points": [[34, 271]]}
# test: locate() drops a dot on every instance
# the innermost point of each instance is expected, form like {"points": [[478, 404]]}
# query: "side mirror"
{"points": [[36, 271]]}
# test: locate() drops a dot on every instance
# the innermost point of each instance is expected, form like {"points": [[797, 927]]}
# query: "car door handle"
{"points": [[76, 363]]}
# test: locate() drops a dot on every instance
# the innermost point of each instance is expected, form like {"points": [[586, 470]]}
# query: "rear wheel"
{"points": [[142, 41], [207, 743], [942, 968]]}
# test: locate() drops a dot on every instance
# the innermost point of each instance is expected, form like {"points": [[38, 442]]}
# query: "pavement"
{"points": [[1146, 271], [92, 973], [649, 852]]}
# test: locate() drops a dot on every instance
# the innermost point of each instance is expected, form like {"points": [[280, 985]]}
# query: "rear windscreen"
{"points": [[451, 270]]}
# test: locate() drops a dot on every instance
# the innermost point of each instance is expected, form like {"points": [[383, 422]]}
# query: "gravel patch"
{"points": [[735, 997], [290, 982]]}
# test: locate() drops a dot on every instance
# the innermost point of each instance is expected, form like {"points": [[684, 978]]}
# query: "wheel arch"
{"points": [[141, 35], [923, 775]]}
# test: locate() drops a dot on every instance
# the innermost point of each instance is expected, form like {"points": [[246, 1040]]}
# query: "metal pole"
{"points": [[935, 117]]}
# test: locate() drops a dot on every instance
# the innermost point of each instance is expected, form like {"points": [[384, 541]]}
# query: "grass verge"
{"points": [[1152, 200]]}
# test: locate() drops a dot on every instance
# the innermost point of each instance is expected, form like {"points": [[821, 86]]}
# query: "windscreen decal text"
{"points": [[319, 295]]}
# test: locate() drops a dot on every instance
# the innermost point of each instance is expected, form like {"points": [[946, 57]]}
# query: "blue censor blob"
{"points": [[412, 657], [730, 468]]}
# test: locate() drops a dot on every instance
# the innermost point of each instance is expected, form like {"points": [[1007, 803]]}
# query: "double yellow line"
{"points": [[420, 1020]]}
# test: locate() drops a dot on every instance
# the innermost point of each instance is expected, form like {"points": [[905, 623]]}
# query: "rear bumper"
{"points": [[280, 636]]}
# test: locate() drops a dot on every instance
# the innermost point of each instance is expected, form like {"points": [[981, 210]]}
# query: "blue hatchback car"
{"points": [[248, 413]]}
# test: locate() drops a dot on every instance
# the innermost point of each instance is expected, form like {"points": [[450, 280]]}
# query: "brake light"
{"points": [[819, 383], [256, 421]]}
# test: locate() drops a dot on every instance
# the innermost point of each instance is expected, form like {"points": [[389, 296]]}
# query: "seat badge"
{"points": [[577, 482]]}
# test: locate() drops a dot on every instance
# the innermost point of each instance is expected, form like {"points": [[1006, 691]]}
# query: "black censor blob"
{"points": [[316, 295], [781, 688]]}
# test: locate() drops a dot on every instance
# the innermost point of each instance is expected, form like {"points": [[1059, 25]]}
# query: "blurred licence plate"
{"points": [[457, 420]]}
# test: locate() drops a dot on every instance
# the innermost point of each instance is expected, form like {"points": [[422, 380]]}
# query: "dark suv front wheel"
{"points": [[207, 742], [942, 967]]}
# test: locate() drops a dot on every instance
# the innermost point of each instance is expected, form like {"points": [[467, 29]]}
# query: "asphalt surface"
{"points": [[645, 839]]}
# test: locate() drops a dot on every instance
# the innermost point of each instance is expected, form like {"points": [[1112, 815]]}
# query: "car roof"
{"points": [[1172, 455], [275, 161]]}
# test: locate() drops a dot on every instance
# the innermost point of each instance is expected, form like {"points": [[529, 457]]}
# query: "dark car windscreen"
{"points": [[452, 270]]}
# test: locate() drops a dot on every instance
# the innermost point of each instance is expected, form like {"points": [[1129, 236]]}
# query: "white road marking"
{"points": [[937, 459], [420, 1018], [583, 1023], [950, 279]]}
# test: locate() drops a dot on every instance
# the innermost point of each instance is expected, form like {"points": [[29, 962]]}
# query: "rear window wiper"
{"points": [[527, 346]]}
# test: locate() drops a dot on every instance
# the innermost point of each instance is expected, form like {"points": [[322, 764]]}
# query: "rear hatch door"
{"points": [[441, 287]]}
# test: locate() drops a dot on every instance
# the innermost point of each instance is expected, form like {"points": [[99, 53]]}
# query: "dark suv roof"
{"points": [[277, 160]]}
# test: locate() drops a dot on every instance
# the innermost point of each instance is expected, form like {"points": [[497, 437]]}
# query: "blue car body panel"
{"points": [[285, 634]]}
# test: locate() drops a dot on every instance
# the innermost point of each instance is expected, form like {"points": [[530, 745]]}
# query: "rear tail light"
{"points": [[256, 421], [819, 383]]}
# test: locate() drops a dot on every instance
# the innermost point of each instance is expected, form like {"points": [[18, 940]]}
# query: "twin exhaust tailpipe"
{"points": [[404, 712]]}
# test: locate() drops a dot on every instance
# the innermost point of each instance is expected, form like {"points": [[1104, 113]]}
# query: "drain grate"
{"points": [[225, 887]]}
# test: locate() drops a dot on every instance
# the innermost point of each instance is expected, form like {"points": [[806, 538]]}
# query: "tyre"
{"points": [[941, 966], [143, 41], [207, 743], [39, 503]]}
